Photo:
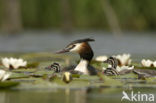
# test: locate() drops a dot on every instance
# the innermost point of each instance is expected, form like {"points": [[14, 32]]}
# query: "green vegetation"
{"points": [[37, 77], [86, 14]]}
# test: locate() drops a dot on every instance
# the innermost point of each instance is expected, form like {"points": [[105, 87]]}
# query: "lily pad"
{"points": [[33, 65], [19, 75], [8, 84], [24, 70]]}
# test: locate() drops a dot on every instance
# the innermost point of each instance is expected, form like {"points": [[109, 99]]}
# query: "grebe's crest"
{"points": [[76, 46], [82, 40]]}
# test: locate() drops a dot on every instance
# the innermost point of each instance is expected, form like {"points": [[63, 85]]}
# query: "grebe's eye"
{"points": [[71, 46]]}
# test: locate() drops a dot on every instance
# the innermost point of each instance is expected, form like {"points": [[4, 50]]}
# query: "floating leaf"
{"points": [[19, 75], [139, 67], [33, 65], [8, 84], [24, 70]]}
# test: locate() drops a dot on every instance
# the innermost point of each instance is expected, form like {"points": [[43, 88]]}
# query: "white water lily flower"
{"points": [[124, 68], [124, 59], [101, 58], [4, 75], [154, 63], [13, 62], [147, 63]]}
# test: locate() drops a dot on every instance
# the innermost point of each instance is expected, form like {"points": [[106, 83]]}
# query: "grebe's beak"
{"points": [[62, 51]]}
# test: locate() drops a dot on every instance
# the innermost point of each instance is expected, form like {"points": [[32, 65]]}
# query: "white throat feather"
{"points": [[82, 66]]}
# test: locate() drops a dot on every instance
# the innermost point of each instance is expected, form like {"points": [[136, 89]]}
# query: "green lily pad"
{"points": [[43, 72], [19, 75], [139, 67], [24, 70], [33, 65], [8, 84], [36, 77]]}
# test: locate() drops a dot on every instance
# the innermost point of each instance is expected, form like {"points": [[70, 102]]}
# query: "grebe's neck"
{"points": [[86, 52], [83, 66], [86, 55]]}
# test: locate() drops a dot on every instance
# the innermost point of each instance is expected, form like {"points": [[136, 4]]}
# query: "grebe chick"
{"points": [[55, 66], [113, 62], [115, 68]]}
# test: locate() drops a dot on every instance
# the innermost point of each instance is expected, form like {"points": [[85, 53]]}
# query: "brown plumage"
{"points": [[86, 51], [83, 48]]}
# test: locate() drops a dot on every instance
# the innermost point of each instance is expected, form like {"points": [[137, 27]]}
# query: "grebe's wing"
{"points": [[92, 70], [75, 72], [69, 68]]}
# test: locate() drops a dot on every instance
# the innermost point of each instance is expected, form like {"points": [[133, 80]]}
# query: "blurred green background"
{"points": [[68, 15]]}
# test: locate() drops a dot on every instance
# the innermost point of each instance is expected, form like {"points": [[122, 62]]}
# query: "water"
{"points": [[57, 96], [101, 95], [139, 45]]}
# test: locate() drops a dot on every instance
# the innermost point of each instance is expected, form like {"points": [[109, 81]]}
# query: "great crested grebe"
{"points": [[85, 51]]}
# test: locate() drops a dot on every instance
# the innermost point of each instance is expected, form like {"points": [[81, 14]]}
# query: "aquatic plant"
{"points": [[123, 59], [67, 77], [148, 63], [4, 75], [101, 58], [124, 68], [120, 68], [13, 63]]}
